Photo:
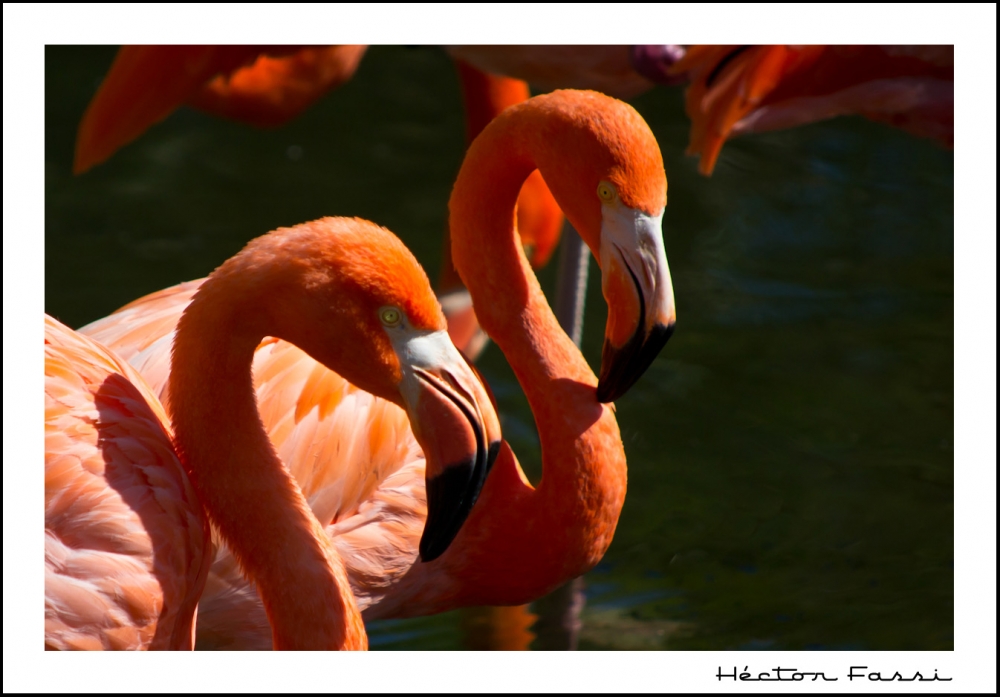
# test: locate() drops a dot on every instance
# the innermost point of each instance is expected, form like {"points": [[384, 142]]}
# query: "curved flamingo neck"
{"points": [[249, 495], [562, 528], [489, 256]]}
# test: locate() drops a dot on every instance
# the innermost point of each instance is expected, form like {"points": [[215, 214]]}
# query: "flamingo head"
{"points": [[354, 298], [605, 169]]}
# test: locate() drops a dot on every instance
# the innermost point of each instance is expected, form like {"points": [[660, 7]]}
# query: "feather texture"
{"points": [[126, 542]]}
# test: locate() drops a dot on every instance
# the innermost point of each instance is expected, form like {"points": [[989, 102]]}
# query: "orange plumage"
{"points": [[126, 541], [368, 492], [128, 493]]}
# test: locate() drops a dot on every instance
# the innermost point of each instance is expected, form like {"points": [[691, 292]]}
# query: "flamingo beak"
{"points": [[456, 424], [636, 284]]}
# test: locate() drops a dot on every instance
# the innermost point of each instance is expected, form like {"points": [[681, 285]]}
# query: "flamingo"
{"points": [[752, 89], [604, 167], [129, 493]]}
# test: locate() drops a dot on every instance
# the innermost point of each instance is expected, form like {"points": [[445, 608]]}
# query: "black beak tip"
{"points": [[450, 498], [448, 504], [621, 368], [431, 547]]}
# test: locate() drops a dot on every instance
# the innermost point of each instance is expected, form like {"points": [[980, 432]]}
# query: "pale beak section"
{"points": [[636, 284], [455, 423]]}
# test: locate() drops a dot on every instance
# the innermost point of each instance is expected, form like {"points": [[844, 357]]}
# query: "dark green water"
{"points": [[790, 451]]}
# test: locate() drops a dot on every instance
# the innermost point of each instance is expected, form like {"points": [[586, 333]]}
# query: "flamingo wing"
{"points": [[142, 332], [751, 89], [127, 550]]}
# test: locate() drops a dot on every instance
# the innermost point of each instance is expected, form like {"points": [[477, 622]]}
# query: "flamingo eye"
{"points": [[390, 316], [606, 192]]}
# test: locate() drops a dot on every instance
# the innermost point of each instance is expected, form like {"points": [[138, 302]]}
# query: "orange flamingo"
{"points": [[752, 89], [127, 542], [519, 542]]}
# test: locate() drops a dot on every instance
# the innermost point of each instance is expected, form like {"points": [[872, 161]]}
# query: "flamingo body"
{"points": [[353, 454], [127, 549]]}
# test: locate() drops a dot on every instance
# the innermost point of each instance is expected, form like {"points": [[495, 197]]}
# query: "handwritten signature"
{"points": [[796, 675]]}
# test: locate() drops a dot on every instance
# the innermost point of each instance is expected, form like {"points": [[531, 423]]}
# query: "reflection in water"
{"points": [[497, 628]]}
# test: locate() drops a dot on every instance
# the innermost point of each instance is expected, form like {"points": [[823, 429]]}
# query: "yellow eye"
{"points": [[390, 316], [606, 192]]}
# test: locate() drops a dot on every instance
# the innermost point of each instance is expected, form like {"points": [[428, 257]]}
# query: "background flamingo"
{"points": [[620, 71], [752, 89], [266, 86], [258, 509], [262, 85], [493, 562]]}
